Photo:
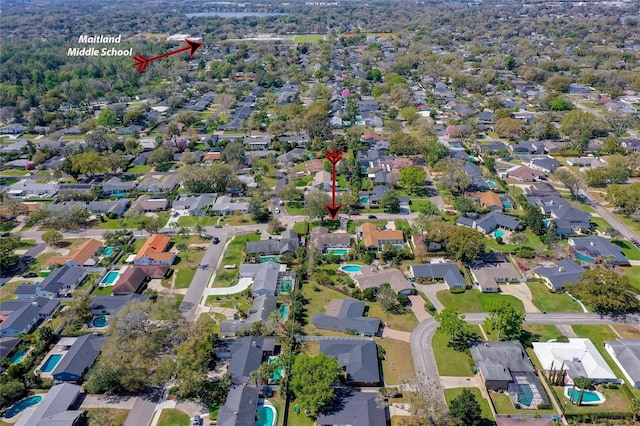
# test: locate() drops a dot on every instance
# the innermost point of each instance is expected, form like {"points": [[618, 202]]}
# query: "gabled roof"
{"points": [[260, 310], [80, 356], [52, 410], [359, 357], [566, 271], [59, 278], [80, 255], [579, 357], [496, 360], [342, 315], [115, 303], [156, 243], [597, 246], [6, 346], [355, 409], [240, 407], [372, 236], [246, 356], [320, 237], [490, 199], [265, 275], [477, 181], [288, 243], [627, 354], [448, 272], [130, 281]]}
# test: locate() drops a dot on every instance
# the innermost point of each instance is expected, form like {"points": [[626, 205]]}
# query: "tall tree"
{"points": [[390, 202], [607, 292], [413, 178], [314, 204], [506, 320], [453, 176], [466, 408], [465, 244], [313, 381], [52, 237], [573, 183]]}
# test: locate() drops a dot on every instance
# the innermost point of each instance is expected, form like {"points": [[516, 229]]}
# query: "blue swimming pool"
{"points": [[491, 184], [585, 258], [19, 356], [507, 205], [588, 397], [338, 251], [100, 322], [51, 363], [498, 233], [266, 416], [353, 269], [108, 251], [20, 406], [284, 312], [525, 394], [364, 200], [110, 278]]}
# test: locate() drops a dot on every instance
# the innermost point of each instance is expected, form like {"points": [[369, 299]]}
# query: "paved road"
{"points": [[141, 413], [610, 218], [422, 353], [563, 318]]}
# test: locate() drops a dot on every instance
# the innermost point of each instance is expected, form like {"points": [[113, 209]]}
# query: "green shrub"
{"points": [[457, 290]]}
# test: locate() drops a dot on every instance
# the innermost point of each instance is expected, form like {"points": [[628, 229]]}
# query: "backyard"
{"points": [[487, 415], [173, 417], [397, 364], [233, 256], [475, 301], [104, 416]]}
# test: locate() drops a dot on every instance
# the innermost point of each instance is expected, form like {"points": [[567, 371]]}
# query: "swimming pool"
{"points": [[264, 259], [51, 363], [20, 406], [491, 184], [108, 251], [498, 233], [284, 312], [588, 397], [507, 205], [364, 200], [110, 278], [585, 258], [100, 322], [351, 269], [19, 356], [266, 415], [525, 394], [338, 251]]}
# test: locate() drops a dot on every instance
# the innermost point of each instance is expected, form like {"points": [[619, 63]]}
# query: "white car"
{"points": [[277, 210]]}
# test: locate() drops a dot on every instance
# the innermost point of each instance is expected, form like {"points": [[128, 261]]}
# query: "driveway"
{"points": [[522, 292], [430, 291]]}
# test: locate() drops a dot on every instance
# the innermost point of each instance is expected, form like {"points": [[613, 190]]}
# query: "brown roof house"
{"points": [[82, 256], [155, 252], [374, 238], [131, 281], [323, 240]]}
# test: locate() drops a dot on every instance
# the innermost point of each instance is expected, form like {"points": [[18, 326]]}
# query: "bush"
{"points": [[562, 339], [544, 407], [402, 299], [457, 290], [526, 253]]}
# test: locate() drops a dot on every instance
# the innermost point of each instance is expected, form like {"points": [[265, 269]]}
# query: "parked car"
{"points": [[218, 226], [30, 275], [197, 420], [215, 240], [372, 216]]}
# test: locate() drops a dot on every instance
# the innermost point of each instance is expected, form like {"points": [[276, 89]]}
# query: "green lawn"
{"points": [[616, 403], [552, 302], [449, 361], [318, 297], [198, 220], [403, 226], [184, 277], [396, 365], [542, 332], [14, 172], [487, 415], [139, 169], [308, 38], [418, 204], [633, 275], [303, 181], [294, 209], [475, 301], [173, 417], [403, 322], [532, 241], [503, 405], [628, 249], [128, 223], [299, 419], [234, 255], [104, 416]]}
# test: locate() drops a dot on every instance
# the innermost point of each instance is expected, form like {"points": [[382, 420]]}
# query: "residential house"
{"points": [[477, 181], [142, 158], [357, 357], [505, 366], [155, 251], [29, 188], [595, 248], [212, 156], [23, 315], [626, 355], [286, 245], [131, 281], [294, 156], [525, 174], [82, 256], [490, 222], [194, 206], [115, 185], [117, 207], [262, 307], [492, 147], [488, 200], [568, 219], [578, 357], [314, 165], [541, 189], [324, 240], [78, 358], [147, 203], [247, 354], [257, 141], [226, 205], [373, 277], [354, 409], [322, 181], [630, 144], [111, 305], [592, 162], [13, 129], [299, 140], [547, 165], [528, 147], [240, 407], [526, 116], [267, 278], [54, 408], [346, 315], [7, 345], [555, 277], [487, 274], [447, 272], [248, 180], [73, 188], [375, 239], [159, 183], [61, 281], [487, 118]]}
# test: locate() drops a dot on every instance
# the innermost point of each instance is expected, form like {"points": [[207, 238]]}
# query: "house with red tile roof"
{"points": [[82, 256], [155, 251]]}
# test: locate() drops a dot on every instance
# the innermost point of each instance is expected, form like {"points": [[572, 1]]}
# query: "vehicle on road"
{"points": [[372, 216], [215, 240], [197, 421], [234, 266], [218, 226], [277, 209]]}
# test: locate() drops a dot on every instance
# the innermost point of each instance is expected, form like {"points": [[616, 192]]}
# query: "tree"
{"points": [[172, 131], [625, 197], [233, 153], [52, 237], [8, 246], [465, 407], [88, 163], [314, 204], [607, 292], [509, 128], [463, 204], [107, 118], [534, 219], [453, 323], [274, 226], [504, 319], [582, 383], [349, 202], [390, 202], [430, 209], [257, 209], [434, 151], [425, 403], [386, 296], [79, 311], [559, 82], [152, 224], [573, 183], [404, 144], [291, 193], [413, 178], [454, 177], [465, 244], [313, 381], [215, 178], [160, 155], [409, 113], [596, 178]]}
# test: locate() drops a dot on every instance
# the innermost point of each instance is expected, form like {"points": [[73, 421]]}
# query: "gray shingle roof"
{"points": [[262, 307], [356, 409], [59, 278], [448, 272], [265, 276], [358, 357], [287, 244], [246, 356], [627, 353], [566, 271], [494, 358], [597, 246], [343, 315], [53, 408], [79, 357], [240, 407]]}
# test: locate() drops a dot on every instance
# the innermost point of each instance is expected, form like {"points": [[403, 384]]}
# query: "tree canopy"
{"points": [[607, 292], [313, 381]]}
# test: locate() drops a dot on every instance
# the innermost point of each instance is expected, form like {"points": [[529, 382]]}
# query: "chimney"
{"points": [[561, 269]]}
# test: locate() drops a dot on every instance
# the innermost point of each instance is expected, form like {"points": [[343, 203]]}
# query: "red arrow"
{"points": [[141, 62], [333, 157]]}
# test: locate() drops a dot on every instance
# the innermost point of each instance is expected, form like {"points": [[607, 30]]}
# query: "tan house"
{"points": [[82, 256], [375, 238]]}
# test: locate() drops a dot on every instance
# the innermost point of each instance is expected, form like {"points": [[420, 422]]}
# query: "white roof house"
{"points": [[578, 356]]}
